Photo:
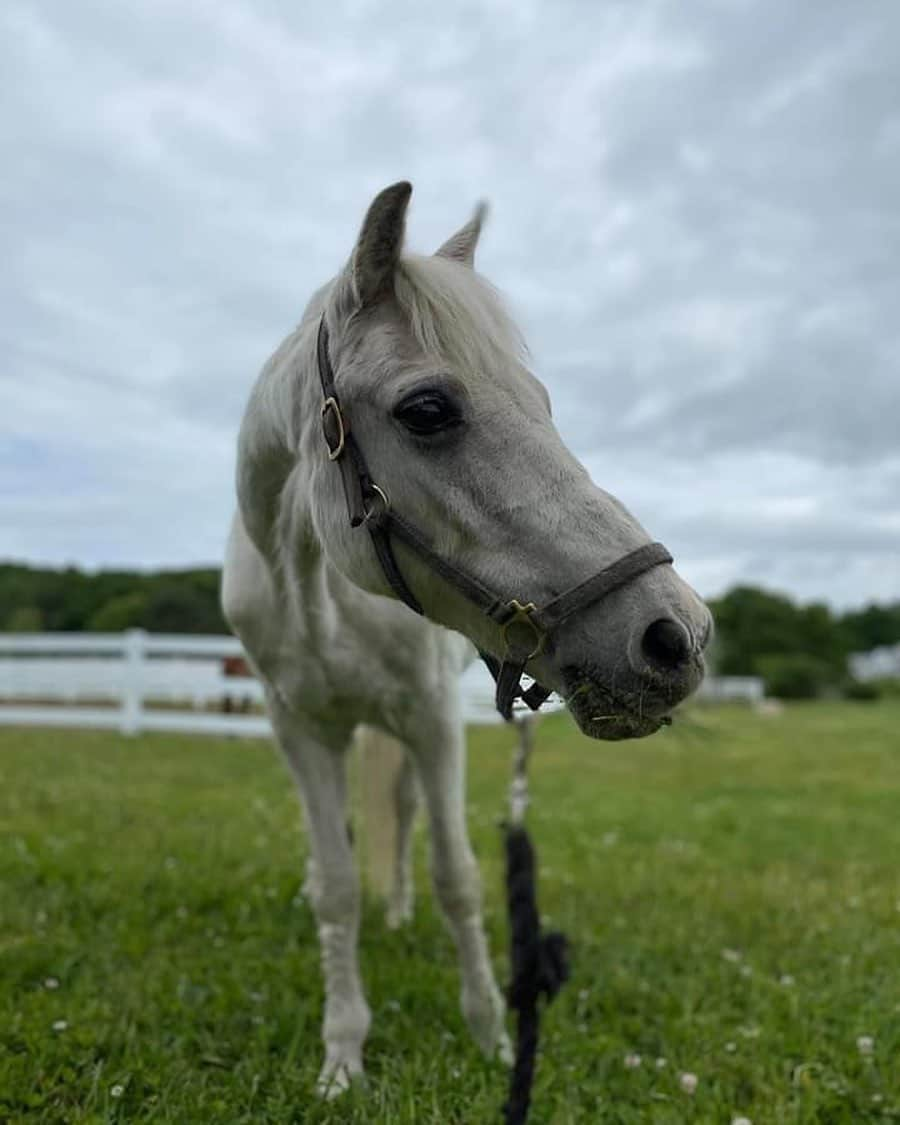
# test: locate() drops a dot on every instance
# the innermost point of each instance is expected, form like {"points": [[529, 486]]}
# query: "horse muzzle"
{"points": [[636, 706]]}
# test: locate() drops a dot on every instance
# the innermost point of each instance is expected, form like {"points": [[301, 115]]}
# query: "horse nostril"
{"points": [[666, 644]]}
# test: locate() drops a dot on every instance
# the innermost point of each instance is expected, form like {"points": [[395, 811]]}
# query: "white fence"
{"points": [[137, 681], [130, 682], [732, 689]]}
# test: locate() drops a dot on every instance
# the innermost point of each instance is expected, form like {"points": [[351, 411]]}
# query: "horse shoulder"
{"points": [[249, 595]]}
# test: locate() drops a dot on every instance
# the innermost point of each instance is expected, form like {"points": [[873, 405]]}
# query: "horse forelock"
{"points": [[456, 314]]}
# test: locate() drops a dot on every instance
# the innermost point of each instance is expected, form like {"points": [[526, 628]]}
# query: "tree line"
{"points": [[798, 649], [70, 600]]}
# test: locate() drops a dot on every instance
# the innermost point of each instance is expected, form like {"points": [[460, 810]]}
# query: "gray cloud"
{"points": [[694, 220]]}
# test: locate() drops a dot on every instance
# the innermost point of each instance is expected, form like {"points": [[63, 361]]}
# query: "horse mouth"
{"points": [[609, 716]]}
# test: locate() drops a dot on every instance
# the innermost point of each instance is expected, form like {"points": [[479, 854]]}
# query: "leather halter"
{"points": [[524, 627]]}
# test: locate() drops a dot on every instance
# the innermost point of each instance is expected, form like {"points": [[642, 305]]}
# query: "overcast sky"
{"points": [[695, 219]]}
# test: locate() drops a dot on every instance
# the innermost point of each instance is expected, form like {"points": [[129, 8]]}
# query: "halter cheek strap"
{"points": [[524, 627]]}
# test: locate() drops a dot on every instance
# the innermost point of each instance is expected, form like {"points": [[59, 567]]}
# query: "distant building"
{"points": [[731, 689], [880, 664]]}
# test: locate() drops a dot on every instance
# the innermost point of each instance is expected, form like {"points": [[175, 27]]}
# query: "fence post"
{"points": [[132, 681]]}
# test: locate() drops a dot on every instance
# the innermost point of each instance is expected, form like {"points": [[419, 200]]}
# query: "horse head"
{"points": [[429, 399]]}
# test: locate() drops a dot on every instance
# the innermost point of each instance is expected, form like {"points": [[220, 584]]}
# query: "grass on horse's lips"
{"points": [[624, 710], [615, 727], [664, 720]]}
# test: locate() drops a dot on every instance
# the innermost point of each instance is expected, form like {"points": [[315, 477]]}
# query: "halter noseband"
{"points": [[524, 627]]}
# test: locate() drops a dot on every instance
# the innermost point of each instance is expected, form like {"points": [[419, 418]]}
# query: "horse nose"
{"points": [[666, 645]]}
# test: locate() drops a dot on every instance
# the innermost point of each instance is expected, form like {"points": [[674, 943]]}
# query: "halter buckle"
{"points": [[330, 405], [520, 616]]}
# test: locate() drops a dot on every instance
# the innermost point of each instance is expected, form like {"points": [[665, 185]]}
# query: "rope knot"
{"points": [[539, 964], [554, 969]]}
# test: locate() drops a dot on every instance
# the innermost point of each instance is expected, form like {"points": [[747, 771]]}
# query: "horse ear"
{"points": [[378, 247], [461, 246]]}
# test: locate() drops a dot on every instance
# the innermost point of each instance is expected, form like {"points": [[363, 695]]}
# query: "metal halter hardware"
{"points": [[521, 615], [330, 409], [524, 627]]}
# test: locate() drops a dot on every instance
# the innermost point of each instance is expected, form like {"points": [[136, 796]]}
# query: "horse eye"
{"points": [[428, 412]]}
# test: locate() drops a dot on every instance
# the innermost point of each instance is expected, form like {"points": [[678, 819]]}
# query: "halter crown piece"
{"points": [[524, 627]]}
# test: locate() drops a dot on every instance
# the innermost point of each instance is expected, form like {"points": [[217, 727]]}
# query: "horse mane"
{"points": [[455, 313]]}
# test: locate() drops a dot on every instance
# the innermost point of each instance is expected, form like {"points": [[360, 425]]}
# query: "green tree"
{"points": [[181, 608], [125, 611], [751, 623], [24, 619], [72, 600], [796, 675], [871, 627]]}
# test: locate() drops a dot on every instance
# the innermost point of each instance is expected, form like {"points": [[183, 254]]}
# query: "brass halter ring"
{"points": [[520, 615]]}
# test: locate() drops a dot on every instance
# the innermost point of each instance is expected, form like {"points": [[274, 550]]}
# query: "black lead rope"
{"points": [[539, 961]]}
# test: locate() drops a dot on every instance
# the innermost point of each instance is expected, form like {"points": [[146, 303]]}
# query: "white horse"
{"points": [[433, 387]]}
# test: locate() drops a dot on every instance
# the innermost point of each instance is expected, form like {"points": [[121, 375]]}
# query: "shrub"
{"points": [[123, 612], [795, 676], [864, 691]]}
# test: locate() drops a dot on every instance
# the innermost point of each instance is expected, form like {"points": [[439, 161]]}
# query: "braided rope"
{"points": [[539, 962]]}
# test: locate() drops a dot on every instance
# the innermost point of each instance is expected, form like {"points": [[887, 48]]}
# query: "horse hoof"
{"points": [[337, 1076], [399, 916], [505, 1052], [483, 1011]]}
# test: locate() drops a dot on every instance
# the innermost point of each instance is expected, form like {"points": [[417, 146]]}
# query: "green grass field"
{"points": [[731, 887]]}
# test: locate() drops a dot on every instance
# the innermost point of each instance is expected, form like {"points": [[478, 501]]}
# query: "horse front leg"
{"points": [[458, 886], [332, 886]]}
